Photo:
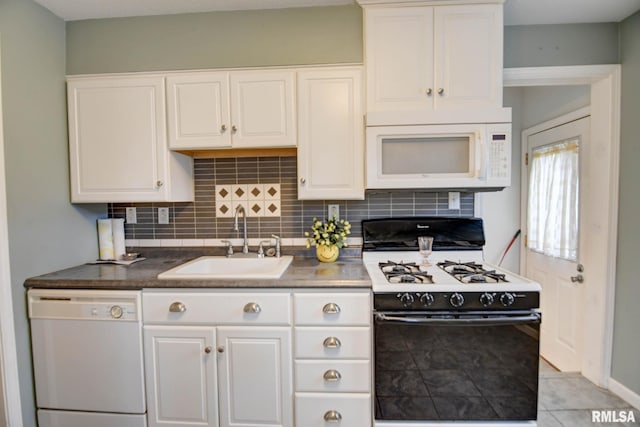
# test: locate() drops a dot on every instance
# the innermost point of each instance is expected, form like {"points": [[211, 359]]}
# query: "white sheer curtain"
{"points": [[553, 200]]}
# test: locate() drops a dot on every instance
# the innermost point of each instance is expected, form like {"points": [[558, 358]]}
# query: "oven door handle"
{"points": [[499, 320]]}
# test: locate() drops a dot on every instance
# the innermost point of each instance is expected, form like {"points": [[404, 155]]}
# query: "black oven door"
{"points": [[452, 366]]}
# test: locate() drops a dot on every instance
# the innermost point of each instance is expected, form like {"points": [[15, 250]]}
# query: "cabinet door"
{"points": [[263, 108], [117, 139], [399, 57], [331, 134], [468, 56], [198, 110], [255, 376], [180, 367]]}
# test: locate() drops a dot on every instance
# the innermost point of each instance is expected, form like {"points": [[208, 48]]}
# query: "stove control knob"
{"points": [[427, 299], [507, 299], [406, 299], [456, 300], [486, 299]]}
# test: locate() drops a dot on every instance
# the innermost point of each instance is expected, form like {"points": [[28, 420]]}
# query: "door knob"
{"points": [[579, 278]]}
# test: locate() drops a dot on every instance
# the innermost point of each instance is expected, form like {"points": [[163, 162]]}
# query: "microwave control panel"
{"points": [[499, 156]]}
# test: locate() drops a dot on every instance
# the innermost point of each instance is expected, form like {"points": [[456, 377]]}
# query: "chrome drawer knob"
{"points": [[331, 308], [252, 307], [331, 342], [332, 416], [208, 349], [332, 376], [177, 307]]}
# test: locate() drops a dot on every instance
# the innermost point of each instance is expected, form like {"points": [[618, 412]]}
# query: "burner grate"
{"points": [[472, 272], [405, 272]]}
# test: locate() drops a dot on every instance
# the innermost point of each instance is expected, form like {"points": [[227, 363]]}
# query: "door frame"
{"points": [[9, 380], [605, 87]]}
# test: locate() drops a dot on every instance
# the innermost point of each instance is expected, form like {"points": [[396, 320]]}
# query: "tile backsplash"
{"points": [[202, 218]]}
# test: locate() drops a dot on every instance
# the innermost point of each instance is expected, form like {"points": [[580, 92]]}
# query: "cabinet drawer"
{"points": [[333, 343], [332, 308], [333, 376], [220, 308], [354, 409]]}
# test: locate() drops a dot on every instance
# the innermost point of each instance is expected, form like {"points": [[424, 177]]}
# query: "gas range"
{"points": [[456, 275]]}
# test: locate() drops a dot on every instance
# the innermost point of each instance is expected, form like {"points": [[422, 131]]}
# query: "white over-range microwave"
{"points": [[458, 156]]}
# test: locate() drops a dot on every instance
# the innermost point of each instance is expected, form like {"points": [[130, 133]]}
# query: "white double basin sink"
{"points": [[221, 267]]}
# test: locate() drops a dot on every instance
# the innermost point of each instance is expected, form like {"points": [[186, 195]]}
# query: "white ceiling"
{"points": [[517, 12]]}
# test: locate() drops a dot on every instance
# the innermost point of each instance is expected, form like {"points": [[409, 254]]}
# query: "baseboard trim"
{"points": [[625, 393]]}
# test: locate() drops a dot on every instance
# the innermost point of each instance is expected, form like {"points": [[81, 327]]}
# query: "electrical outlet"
{"points": [[333, 210], [132, 216], [163, 215], [454, 200]]}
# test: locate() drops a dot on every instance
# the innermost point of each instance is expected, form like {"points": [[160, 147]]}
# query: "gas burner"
{"points": [[471, 272], [404, 272]]}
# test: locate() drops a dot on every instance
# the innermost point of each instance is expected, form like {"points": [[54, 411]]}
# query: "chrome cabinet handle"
{"points": [[223, 128], [302, 180], [159, 183], [220, 349], [234, 128], [441, 91], [429, 91], [252, 307], [332, 376], [331, 342], [177, 307], [332, 416], [208, 349], [331, 308]]}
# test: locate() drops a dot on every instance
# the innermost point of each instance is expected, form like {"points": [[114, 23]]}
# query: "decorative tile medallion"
{"points": [[258, 200]]}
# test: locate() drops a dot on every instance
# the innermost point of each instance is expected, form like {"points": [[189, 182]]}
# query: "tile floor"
{"points": [[567, 399]]}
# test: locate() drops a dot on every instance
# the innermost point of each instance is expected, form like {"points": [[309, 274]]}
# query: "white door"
{"points": [[555, 239], [255, 376], [180, 366]]}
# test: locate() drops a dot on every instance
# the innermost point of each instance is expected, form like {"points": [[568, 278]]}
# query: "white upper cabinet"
{"points": [[117, 142], [433, 64], [330, 134], [231, 109]]}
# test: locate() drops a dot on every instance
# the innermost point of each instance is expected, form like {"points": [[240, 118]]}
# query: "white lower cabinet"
{"points": [[333, 342], [254, 358], [324, 409], [180, 364], [254, 376], [199, 373]]}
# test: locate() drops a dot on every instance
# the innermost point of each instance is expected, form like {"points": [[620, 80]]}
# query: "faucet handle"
{"points": [[277, 244], [261, 249], [229, 247]]}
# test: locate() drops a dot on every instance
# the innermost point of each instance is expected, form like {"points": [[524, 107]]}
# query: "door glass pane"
{"points": [[552, 223], [425, 155]]}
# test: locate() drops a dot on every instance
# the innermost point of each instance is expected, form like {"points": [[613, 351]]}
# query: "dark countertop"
{"points": [[305, 271]]}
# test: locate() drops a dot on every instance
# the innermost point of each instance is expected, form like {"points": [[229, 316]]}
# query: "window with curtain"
{"points": [[553, 210]]}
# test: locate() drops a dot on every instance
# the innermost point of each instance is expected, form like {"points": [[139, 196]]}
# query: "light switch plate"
{"points": [[454, 200], [132, 215], [163, 215], [333, 210]]}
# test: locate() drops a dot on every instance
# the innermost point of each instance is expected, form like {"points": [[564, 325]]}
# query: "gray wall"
{"points": [[626, 348], [223, 39], [45, 231]]}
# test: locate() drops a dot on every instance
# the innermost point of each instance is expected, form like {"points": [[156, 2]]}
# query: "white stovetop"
{"points": [[442, 281]]}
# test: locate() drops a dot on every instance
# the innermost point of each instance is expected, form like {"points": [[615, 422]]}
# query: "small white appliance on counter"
{"points": [[457, 156], [87, 358]]}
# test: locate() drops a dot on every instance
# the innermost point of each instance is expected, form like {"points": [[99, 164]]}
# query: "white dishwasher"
{"points": [[87, 357]]}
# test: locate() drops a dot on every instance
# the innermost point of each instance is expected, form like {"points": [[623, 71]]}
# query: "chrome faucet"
{"points": [[240, 208]]}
